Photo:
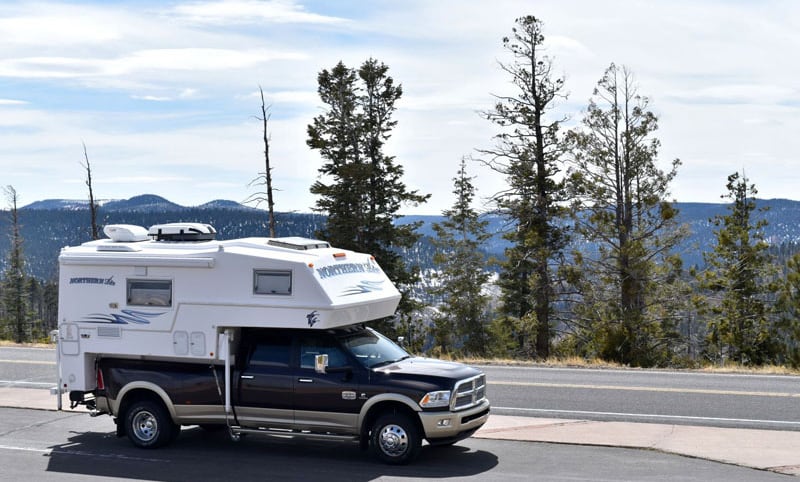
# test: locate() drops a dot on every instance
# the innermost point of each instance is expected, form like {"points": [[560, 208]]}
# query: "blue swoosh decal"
{"points": [[124, 318], [363, 287]]}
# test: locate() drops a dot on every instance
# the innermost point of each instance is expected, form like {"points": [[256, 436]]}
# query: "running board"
{"points": [[288, 434]]}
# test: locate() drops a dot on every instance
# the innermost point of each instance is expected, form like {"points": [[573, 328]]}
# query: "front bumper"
{"points": [[454, 425]]}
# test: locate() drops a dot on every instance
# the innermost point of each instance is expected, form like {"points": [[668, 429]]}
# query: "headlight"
{"points": [[435, 399]]}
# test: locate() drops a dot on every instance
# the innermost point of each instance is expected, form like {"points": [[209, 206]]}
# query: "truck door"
{"points": [[266, 381], [327, 401]]}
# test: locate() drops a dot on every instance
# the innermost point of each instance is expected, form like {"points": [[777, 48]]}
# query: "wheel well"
{"points": [[383, 408], [133, 396]]}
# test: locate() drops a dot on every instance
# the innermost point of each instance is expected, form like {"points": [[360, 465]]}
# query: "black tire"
{"points": [[395, 439], [148, 425]]}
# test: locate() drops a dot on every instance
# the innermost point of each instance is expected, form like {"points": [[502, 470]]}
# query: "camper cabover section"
{"points": [[170, 291]]}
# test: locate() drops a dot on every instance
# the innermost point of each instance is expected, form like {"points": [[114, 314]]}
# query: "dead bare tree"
{"points": [[264, 178], [92, 204]]}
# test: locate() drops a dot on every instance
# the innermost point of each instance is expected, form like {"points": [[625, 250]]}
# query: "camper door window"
{"points": [[150, 292], [272, 282]]}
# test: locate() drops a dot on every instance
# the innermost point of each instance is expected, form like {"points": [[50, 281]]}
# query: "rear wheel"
{"points": [[148, 424], [395, 439]]}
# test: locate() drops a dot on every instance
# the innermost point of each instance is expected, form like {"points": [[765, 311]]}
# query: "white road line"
{"points": [[636, 371], [78, 452], [22, 382], [29, 362], [701, 391], [26, 449], [649, 416]]}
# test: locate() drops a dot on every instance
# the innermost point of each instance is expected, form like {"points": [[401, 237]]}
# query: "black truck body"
{"points": [[349, 384]]}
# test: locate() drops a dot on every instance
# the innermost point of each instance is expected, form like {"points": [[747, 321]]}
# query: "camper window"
{"points": [[272, 282], [150, 292]]}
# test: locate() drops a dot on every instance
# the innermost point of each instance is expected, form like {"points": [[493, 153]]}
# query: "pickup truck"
{"points": [[347, 384]]}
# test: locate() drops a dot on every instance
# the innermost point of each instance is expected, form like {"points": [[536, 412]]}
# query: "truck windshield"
{"points": [[373, 349]]}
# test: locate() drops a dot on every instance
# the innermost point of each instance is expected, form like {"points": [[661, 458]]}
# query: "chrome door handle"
{"points": [[305, 380], [247, 377]]}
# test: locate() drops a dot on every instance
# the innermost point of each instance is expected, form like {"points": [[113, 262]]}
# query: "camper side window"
{"points": [[272, 282], [150, 292]]}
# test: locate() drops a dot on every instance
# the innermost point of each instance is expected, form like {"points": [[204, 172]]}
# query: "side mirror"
{"points": [[321, 363], [401, 340]]}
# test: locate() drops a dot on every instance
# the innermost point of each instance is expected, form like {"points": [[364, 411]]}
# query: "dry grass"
{"points": [[760, 370]]}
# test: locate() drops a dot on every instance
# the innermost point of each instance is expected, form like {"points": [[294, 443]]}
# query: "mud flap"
{"points": [[120, 428]]}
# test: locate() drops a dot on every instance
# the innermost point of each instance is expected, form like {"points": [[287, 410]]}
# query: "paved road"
{"points": [[27, 367], [721, 400], [42, 445]]}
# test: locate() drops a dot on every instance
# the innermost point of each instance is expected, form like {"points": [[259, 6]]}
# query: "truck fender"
{"points": [[386, 397], [141, 385]]}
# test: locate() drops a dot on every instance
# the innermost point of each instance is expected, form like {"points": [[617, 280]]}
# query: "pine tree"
{"points": [[788, 304], [628, 308], [15, 286], [527, 152], [738, 278], [360, 186], [462, 273]]}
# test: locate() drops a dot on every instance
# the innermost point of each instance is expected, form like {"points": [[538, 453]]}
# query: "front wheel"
{"points": [[148, 425], [395, 439]]}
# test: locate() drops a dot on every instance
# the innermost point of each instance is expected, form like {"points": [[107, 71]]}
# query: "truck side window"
{"points": [[273, 351], [311, 346], [149, 292]]}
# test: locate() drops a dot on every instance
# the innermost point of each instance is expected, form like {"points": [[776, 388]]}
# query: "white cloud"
{"points": [[152, 98], [185, 59], [740, 94], [251, 11], [65, 29], [144, 180], [194, 59], [719, 76]]}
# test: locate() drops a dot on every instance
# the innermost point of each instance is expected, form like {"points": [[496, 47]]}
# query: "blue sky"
{"points": [[164, 94]]}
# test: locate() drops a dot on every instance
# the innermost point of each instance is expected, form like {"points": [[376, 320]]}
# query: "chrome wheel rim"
{"points": [[145, 426], [393, 440]]}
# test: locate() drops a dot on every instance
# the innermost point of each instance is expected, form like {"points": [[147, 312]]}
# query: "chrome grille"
{"points": [[468, 393]]}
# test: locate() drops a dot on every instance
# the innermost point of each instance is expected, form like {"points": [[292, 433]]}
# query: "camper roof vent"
{"points": [[300, 244], [125, 233], [182, 232]]}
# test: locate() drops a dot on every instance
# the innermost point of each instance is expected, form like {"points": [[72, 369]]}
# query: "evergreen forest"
{"points": [[583, 254]]}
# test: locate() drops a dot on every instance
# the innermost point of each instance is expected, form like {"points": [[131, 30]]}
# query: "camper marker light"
{"points": [[435, 399], [339, 255]]}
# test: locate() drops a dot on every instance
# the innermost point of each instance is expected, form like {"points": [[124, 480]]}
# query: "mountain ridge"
{"points": [[142, 201], [48, 225]]}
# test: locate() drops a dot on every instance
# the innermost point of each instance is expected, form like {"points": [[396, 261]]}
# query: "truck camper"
{"points": [[167, 326]]}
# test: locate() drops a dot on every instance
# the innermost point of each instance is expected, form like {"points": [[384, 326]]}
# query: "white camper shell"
{"points": [[173, 292]]}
